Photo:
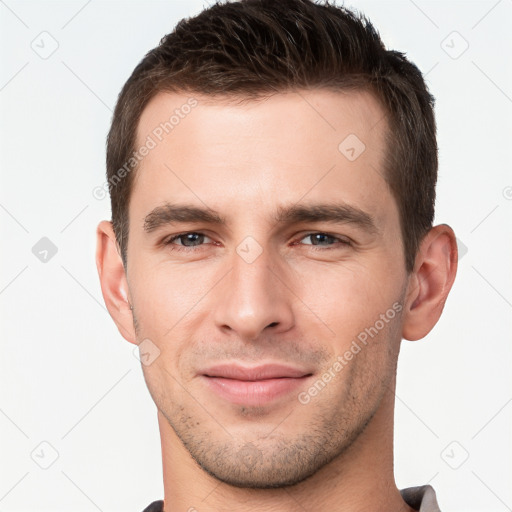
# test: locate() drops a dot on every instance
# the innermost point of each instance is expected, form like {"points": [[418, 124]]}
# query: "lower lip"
{"points": [[255, 393]]}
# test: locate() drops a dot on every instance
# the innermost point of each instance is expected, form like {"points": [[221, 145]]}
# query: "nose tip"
{"points": [[252, 299]]}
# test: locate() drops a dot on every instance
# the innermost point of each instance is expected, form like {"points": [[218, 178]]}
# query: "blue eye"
{"points": [[325, 240], [319, 238], [188, 240], [192, 239]]}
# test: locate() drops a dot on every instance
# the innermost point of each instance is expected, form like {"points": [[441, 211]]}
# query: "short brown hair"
{"points": [[254, 48]]}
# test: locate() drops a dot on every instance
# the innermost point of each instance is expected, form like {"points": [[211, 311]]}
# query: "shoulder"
{"points": [[422, 498], [156, 506]]}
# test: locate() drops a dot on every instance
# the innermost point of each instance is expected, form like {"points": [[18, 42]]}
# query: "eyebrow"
{"points": [[172, 213], [336, 213], [295, 214]]}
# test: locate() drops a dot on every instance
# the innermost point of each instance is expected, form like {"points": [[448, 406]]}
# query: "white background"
{"points": [[69, 379]]}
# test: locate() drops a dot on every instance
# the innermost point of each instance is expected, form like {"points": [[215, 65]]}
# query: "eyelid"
{"points": [[339, 239], [169, 240]]}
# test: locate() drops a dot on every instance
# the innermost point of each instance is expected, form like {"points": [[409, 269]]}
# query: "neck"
{"points": [[359, 479]]}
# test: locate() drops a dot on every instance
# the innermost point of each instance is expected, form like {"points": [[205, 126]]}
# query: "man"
{"points": [[272, 173]]}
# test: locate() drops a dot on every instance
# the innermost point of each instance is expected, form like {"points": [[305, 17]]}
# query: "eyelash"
{"points": [[176, 247]]}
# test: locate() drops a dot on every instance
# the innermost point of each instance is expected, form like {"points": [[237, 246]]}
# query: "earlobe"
{"points": [[114, 285], [430, 282]]}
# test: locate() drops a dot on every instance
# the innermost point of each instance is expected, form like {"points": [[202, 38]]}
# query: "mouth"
{"points": [[254, 386]]}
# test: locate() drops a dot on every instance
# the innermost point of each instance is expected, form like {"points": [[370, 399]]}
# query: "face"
{"points": [[266, 269]]}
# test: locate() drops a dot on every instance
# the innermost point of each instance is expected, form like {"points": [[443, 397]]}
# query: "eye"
{"points": [[186, 240], [190, 240], [325, 240]]}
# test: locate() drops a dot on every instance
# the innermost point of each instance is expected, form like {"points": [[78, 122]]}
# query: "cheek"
{"points": [[347, 298], [169, 301], [164, 293]]}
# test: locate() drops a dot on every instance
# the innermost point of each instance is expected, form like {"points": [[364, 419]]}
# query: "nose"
{"points": [[253, 299]]}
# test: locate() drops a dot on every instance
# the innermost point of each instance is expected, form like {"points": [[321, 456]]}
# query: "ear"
{"points": [[114, 285], [430, 282]]}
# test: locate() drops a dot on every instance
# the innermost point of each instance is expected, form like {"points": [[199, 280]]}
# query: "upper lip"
{"points": [[262, 372]]}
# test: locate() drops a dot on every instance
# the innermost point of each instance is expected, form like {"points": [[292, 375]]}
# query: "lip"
{"points": [[262, 372], [254, 386]]}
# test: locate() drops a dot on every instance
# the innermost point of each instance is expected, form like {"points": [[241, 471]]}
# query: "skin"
{"points": [[296, 303]]}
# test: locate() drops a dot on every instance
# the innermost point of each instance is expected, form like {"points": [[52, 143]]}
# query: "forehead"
{"points": [[319, 143], [319, 111]]}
